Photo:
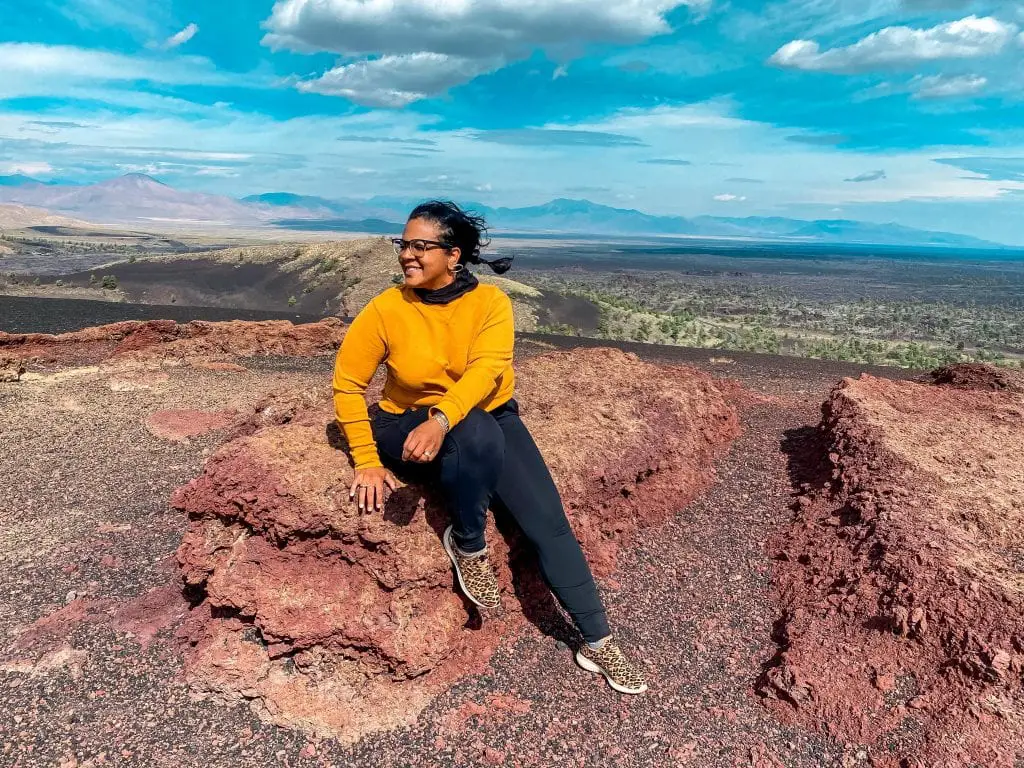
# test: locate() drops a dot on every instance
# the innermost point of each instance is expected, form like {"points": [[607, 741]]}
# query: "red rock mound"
{"points": [[168, 339], [342, 623], [976, 376], [903, 582]]}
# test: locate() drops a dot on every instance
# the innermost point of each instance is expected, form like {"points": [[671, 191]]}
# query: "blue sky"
{"points": [[883, 110]]}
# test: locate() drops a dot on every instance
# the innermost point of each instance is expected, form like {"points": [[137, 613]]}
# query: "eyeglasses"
{"points": [[418, 247]]}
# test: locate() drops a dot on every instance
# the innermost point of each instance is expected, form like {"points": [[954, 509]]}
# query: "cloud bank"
{"points": [[420, 48]]}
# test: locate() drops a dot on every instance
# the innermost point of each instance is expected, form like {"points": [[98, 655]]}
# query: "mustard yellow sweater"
{"points": [[452, 357]]}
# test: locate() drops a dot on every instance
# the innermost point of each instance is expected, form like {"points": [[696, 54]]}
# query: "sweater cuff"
{"points": [[451, 411], [366, 458]]}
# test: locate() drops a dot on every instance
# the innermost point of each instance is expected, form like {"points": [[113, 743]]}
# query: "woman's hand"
{"points": [[424, 443], [368, 487]]}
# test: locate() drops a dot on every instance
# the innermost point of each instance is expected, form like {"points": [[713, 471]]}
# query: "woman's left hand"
{"points": [[424, 443]]}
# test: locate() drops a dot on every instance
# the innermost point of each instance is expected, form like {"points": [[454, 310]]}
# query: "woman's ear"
{"points": [[454, 256]]}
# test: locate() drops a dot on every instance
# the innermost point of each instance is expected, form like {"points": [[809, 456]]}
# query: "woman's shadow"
{"points": [[538, 604]]}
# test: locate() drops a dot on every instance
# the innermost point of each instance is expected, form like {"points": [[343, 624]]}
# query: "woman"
{"points": [[448, 409]]}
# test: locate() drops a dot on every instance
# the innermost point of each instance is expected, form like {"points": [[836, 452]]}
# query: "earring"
{"points": [[456, 269]]}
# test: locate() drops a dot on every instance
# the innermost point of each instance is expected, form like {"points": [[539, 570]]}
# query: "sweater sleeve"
{"points": [[490, 355], [362, 351]]}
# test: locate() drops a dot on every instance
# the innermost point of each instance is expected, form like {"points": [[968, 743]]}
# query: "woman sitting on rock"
{"points": [[448, 407]]}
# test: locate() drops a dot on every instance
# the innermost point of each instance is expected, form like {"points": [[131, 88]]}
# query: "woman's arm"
{"points": [[490, 354], [362, 351]]}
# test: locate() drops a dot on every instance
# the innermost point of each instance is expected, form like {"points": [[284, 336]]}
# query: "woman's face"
{"points": [[430, 267]]}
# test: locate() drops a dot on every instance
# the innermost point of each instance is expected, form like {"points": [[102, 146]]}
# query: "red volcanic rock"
{"points": [[182, 424], [282, 407], [976, 376], [142, 616], [149, 613], [903, 584], [156, 339], [11, 369], [342, 623]]}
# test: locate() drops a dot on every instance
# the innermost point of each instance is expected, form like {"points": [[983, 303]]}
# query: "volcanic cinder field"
{"points": [[819, 564]]}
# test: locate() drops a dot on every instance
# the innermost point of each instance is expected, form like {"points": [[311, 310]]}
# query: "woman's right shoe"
{"points": [[609, 660], [476, 577]]}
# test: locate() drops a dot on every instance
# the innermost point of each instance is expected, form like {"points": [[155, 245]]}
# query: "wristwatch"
{"points": [[441, 419]]}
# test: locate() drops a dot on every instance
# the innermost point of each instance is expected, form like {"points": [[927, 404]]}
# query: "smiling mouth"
{"points": [[411, 269]]}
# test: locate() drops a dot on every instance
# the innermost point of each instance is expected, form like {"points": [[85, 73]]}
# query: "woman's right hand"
{"points": [[368, 487]]}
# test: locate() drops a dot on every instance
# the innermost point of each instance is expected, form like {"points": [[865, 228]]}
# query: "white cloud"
{"points": [[947, 87], [36, 61], [709, 114], [927, 87], [394, 81], [28, 169], [464, 38], [182, 37], [560, 71], [970, 37], [226, 173], [484, 28], [727, 198], [185, 154]]}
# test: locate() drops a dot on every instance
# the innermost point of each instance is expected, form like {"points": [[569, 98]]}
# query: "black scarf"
{"points": [[464, 282]]}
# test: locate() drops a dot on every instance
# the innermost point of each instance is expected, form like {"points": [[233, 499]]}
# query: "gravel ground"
{"points": [[84, 511]]}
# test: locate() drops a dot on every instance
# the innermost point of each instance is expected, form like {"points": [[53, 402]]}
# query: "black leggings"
{"points": [[491, 454]]}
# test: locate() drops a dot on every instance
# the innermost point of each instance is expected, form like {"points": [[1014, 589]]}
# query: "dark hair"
{"points": [[461, 229]]}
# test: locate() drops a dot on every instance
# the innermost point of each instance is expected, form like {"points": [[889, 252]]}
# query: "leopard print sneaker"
{"points": [[476, 577], [609, 660]]}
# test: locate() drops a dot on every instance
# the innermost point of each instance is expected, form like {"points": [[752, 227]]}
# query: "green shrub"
{"points": [[292, 301], [109, 283]]}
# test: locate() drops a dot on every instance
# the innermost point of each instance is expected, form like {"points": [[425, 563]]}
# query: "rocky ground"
{"points": [[98, 667]]}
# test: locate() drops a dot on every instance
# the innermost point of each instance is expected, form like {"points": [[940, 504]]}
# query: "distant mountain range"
{"points": [[136, 198], [139, 199]]}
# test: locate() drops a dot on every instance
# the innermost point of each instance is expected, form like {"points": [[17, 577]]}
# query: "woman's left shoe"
{"points": [[622, 674], [476, 576]]}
